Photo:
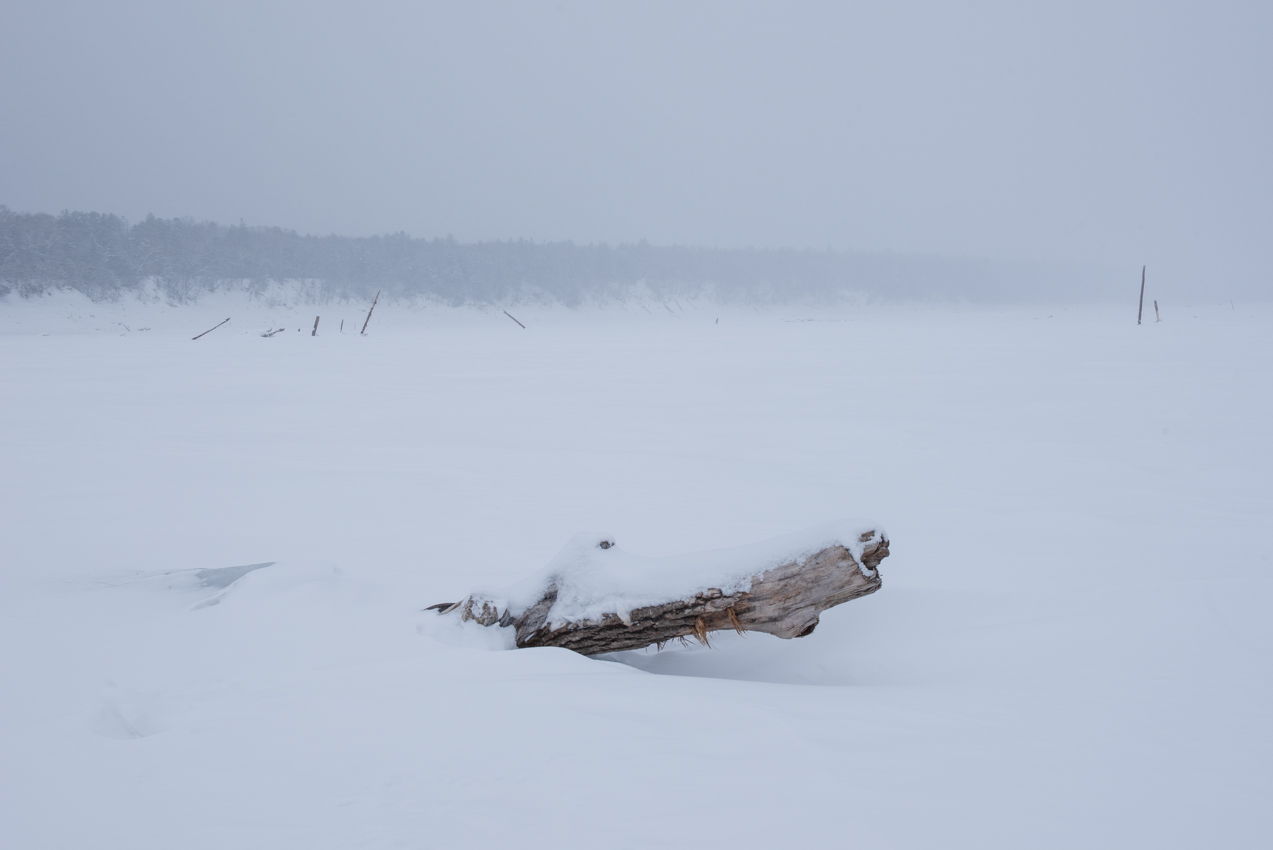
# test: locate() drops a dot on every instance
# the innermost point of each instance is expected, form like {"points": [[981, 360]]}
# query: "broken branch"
{"points": [[210, 330], [368, 319]]}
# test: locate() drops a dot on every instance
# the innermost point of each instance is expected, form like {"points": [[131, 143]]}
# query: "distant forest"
{"points": [[103, 256]]}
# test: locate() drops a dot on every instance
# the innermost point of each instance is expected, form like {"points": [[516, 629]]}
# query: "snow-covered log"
{"points": [[594, 597]]}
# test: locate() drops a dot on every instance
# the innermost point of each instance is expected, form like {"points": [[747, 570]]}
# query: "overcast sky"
{"points": [[1092, 131]]}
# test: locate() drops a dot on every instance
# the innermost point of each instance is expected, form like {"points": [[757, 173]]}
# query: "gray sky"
{"points": [[1090, 131]]}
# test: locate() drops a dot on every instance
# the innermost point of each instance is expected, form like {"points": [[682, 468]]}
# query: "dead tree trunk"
{"points": [[785, 601]]}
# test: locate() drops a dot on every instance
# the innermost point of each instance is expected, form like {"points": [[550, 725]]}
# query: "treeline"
{"points": [[103, 256]]}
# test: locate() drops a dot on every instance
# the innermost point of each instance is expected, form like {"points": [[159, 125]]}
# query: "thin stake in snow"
{"points": [[363, 332], [514, 318], [314, 332], [1141, 309], [210, 330], [342, 325], [1157, 318]]}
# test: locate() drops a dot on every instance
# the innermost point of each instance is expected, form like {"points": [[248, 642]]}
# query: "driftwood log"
{"points": [[785, 601]]}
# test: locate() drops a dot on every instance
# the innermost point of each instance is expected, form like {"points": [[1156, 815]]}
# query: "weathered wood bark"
{"points": [[785, 601]]}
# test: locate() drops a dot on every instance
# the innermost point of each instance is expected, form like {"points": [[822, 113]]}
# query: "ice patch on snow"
{"points": [[226, 576], [223, 577], [253, 585]]}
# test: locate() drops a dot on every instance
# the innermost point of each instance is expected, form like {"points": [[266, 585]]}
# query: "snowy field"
{"points": [[1071, 647]]}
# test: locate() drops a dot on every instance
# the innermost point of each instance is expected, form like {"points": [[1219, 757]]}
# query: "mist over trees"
{"points": [[103, 256]]}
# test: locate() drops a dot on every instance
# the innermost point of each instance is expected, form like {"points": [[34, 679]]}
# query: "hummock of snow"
{"points": [[593, 581]]}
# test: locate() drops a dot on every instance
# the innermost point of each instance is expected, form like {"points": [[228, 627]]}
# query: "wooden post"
{"points": [[510, 315], [210, 330], [373, 306], [314, 332], [1141, 309]]}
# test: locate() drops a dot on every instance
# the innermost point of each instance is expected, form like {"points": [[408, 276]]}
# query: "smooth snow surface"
{"points": [[1071, 647], [593, 579]]}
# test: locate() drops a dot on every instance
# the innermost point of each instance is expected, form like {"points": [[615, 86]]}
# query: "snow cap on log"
{"points": [[596, 597]]}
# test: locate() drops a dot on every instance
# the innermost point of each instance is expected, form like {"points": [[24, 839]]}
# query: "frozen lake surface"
{"points": [[216, 553]]}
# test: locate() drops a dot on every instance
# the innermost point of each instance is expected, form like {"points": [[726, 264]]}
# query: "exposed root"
{"points": [[700, 631]]}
